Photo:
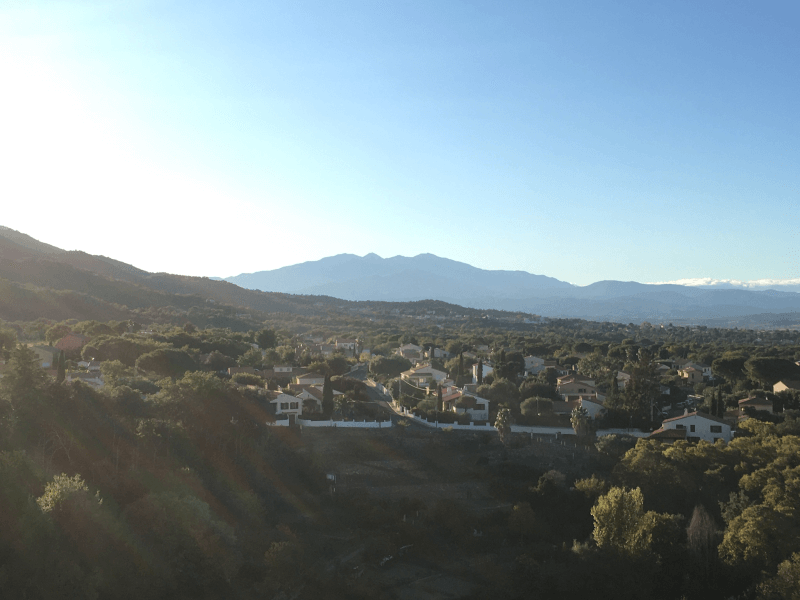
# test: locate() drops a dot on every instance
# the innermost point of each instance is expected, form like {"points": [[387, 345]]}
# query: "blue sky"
{"points": [[647, 141]]}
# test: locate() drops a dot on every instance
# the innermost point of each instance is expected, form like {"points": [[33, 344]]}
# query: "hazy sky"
{"points": [[647, 141]]}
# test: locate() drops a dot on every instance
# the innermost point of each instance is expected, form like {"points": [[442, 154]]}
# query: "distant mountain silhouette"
{"points": [[399, 278], [426, 276], [40, 280]]}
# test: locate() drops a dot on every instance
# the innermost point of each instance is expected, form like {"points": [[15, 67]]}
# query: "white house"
{"points": [[288, 405], [475, 406], [622, 379], [347, 346], [424, 376], [593, 406], [310, 379], [699, 426], [410, 351], [487, 368], [533, 365]]}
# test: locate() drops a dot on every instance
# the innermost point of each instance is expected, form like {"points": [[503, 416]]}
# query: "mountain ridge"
{"points": [[424, 276], [82, 281]]}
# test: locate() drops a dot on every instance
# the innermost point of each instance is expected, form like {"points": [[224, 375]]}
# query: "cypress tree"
{"points": [[61, 375], [327, 397], [460, 378], [480, 371], [439, 400]]}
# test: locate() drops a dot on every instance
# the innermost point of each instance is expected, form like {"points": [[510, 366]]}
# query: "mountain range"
{"points": [[403, 279], [41, 280]]}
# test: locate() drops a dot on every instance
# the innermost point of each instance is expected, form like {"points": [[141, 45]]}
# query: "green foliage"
{"points": [[592, 487], [503, 391], [327, 397], [770, 371], [251, 358], [622, 526], [730, 366], [389, 366], [785, 584], [56, 332], [126, 350], [24, 379], [266, 339], [8, 339], [503, 424], [166, 362], [759, 537], [522, 520], [61, 367], [536, 406], [217, 361], [641, 392], [114, 370], [615, 445], [59, 490], [247, 379], [531, 388], [581, 423]]}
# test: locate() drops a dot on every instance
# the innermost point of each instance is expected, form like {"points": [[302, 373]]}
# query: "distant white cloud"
{"points": [[710, 282]]}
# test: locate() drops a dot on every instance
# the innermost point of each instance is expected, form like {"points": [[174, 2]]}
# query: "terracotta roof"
{"points": [[450, 397], [71, 341], [668, 434]]}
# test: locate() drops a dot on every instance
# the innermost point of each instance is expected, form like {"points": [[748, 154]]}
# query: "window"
{"points": [[680, 426], [293, 405], [716, 429], [284, 406], [691, 428]]}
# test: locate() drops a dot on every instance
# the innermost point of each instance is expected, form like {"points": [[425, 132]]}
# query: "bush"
{"points": [[247, 379], [614, 445], [535, 406]]}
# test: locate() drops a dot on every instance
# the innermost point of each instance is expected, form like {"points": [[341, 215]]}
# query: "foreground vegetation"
{"points": [[168, 483]]}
